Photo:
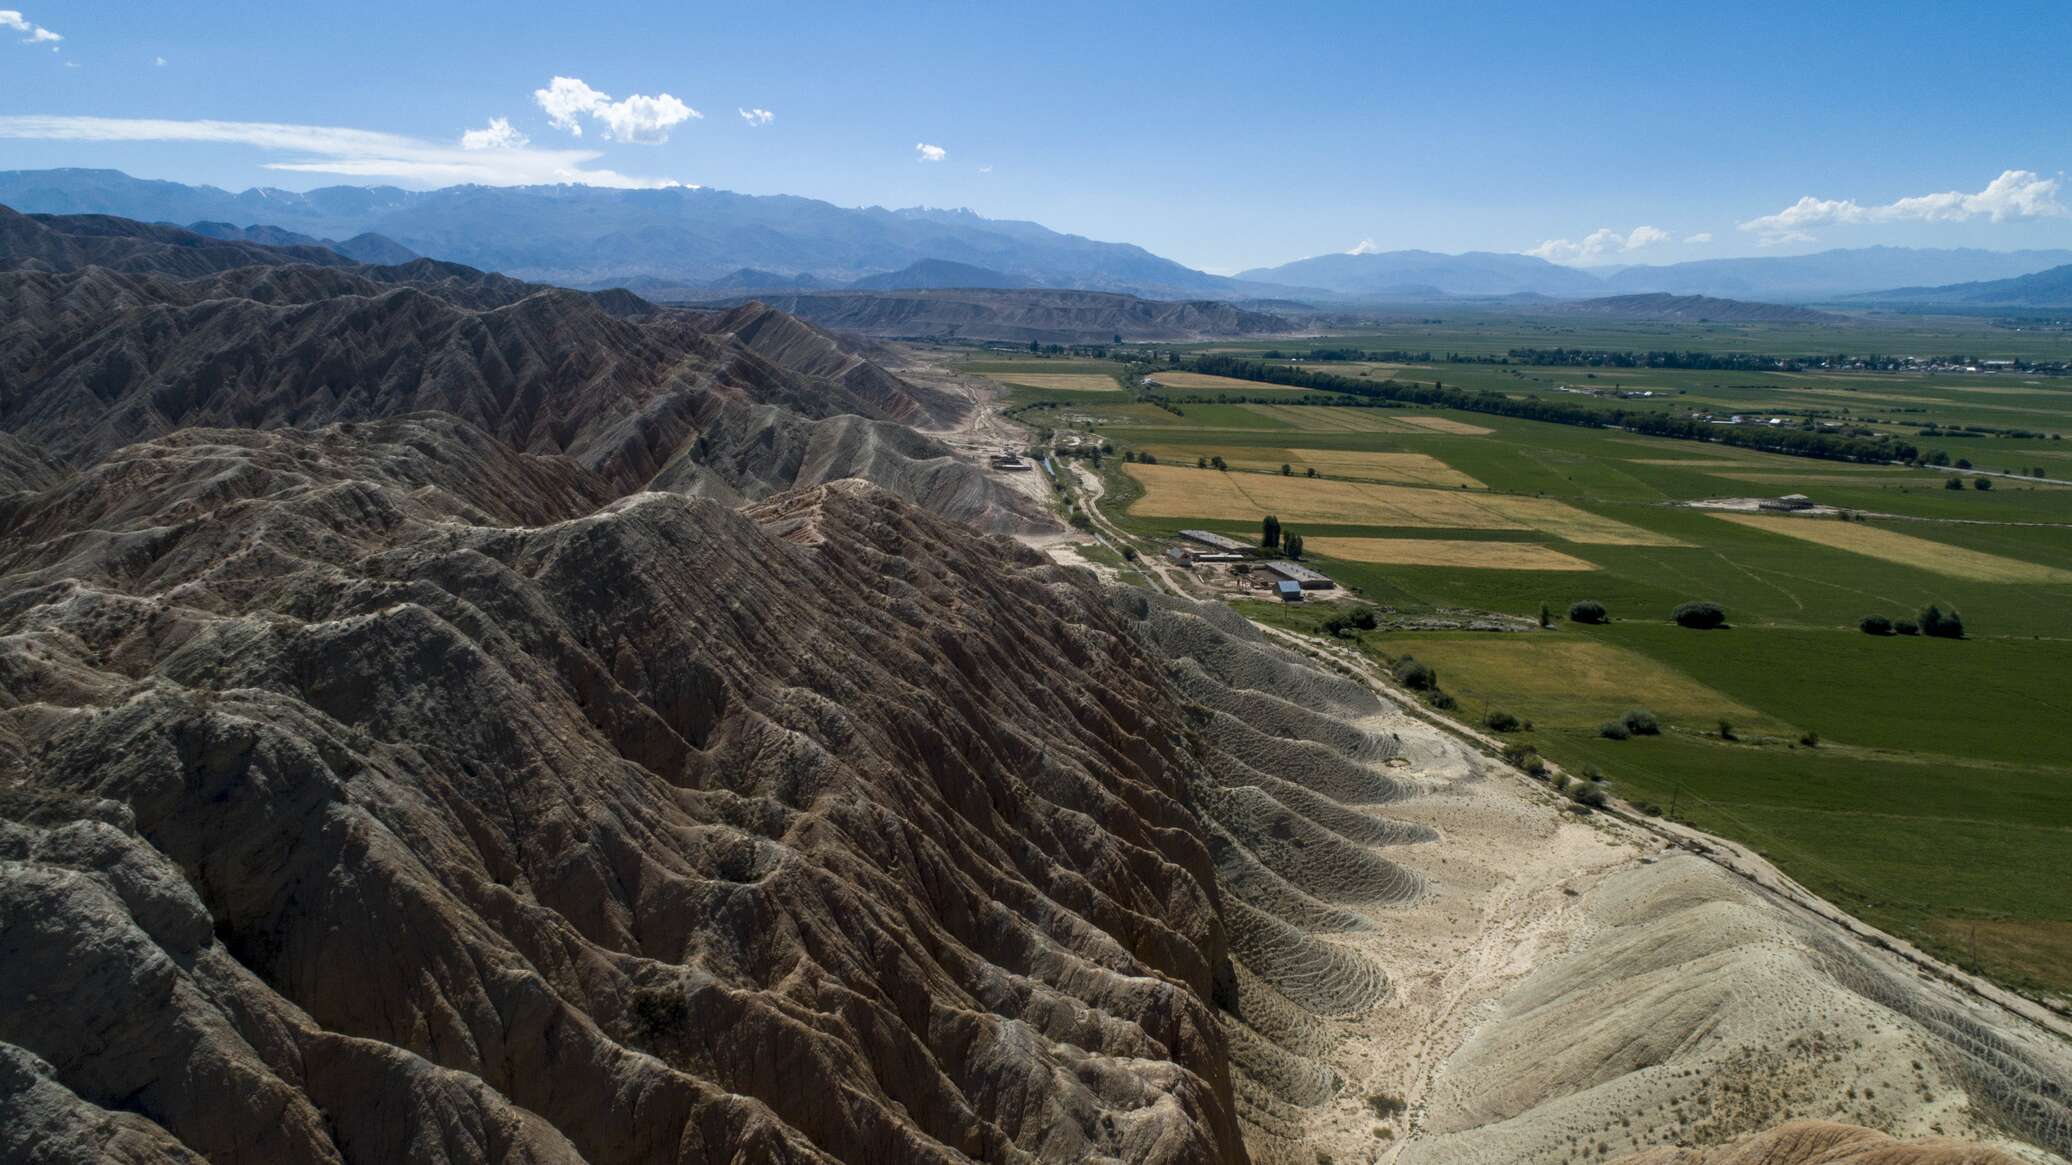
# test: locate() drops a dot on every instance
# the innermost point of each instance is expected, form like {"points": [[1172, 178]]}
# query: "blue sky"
{"points": [[1224, 136]]}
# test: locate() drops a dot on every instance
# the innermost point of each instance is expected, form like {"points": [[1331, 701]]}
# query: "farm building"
{"points": [[1291, 592], [1787, 502], [1298, 574], [1212, 539], [1188, 556]]}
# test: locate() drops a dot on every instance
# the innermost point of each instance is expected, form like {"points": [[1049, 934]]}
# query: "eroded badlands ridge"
{"points": [[660, 833]]}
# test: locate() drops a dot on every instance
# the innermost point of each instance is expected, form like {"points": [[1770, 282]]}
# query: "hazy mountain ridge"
{"points": [[1410, 275], [1021, 315], [1833, 273], [2050, 288], [361, 248], [672, 240], [1687, 309], [582, 235], [1415, 274]]}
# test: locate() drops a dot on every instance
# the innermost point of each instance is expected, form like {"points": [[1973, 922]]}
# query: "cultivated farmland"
{"points": [[1920, 782], [1456, 552], [1892, 546]]}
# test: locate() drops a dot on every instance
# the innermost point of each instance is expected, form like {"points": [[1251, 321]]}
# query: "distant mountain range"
{"points": [[1697, 309], [366, 247], [1825, 276], [2052, 288], [586, 235], [1428, 274], [1018, 315], [688, 243]]}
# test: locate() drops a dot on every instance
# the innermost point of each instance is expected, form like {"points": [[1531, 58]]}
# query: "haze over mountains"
{"points": [[678, 242]]}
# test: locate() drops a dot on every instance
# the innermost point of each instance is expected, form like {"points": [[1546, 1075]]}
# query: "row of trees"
{"points": [[1272, 538], [1651, 423], [1934, 622]]}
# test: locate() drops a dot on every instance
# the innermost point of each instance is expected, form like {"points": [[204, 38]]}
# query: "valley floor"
{"points": [[1564, 987]]}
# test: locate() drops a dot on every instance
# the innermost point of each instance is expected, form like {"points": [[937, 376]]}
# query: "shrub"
{"points": [[1418, 677], [1500, 721], [1546, 616], [1641, 722], [1952, 483], [1875, 625], [1443, 701], [1726, 730], [1129, 554], [1811, 739], [1364, 619], [1588, 793], [1613, 730], [1702, 616], [1081, 521], [1906, 627], [1385, 1104], [1587, 611], [1942, 626], [1982, 483]]}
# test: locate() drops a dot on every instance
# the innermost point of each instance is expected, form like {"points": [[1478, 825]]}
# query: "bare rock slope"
{"points": [[653, 832], [93, 357]]}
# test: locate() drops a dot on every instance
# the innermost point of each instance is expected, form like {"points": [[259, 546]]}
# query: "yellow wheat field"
{"points": [[1891, 546], [1063, 381], [1172, 491], [1577, 682], [1327, 419], [1204, 380], [1447, 552], [1445, 425], [1408, 468]]}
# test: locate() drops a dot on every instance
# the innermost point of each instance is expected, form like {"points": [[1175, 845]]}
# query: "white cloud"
{"points": [[2015, 194], [757, 117], [14, 21], [985, 169], [158, 62], [359, 153], [566, 100], [644, 120], [928, 153], [1364, 247], [1700, 237], [638, 119], [497, 135], [1599, 243]]}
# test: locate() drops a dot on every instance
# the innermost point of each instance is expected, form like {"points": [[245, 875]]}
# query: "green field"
{"points": [[1938, 799]]}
